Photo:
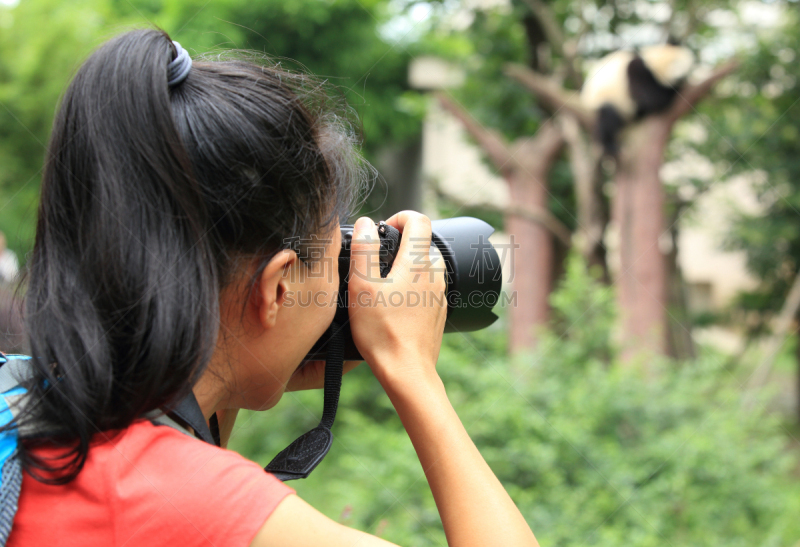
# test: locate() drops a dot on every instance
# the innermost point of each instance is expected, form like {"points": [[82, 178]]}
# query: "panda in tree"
{"points": [[625, 86]]}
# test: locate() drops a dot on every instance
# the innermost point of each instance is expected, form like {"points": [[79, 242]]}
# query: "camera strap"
{"points": [[187, 410], [297, 460]]}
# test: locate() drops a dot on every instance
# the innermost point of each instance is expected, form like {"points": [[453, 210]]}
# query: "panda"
{"points": [[624, 86]]}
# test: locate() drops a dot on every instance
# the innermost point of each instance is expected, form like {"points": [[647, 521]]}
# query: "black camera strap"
{"points": [[297, 460], [187, 410]]}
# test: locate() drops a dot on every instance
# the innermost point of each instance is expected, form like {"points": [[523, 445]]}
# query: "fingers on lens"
{"points": [[364, 252]]}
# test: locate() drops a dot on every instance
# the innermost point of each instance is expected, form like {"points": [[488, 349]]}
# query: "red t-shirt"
{"points": [[149, 485]]}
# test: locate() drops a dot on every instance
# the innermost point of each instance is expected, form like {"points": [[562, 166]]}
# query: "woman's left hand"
{"points": [[312, 375]]}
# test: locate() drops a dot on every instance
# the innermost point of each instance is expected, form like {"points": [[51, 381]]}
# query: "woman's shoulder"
{"points": [[152, 481]]}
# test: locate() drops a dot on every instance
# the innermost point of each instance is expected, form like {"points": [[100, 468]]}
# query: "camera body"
{"points": [[472, 270]]}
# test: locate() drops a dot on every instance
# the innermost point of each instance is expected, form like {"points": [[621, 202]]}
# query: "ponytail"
{"points": [[121, 307]]}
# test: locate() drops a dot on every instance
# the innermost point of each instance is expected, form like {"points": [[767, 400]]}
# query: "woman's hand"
{"points": [[398, 322]]}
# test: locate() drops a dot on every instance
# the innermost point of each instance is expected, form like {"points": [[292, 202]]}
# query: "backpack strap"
{"points": [[14, 369], [176, 421], [10, 468]]}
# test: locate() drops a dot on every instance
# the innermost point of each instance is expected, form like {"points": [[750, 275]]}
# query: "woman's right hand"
{"points": [[397, 322]]}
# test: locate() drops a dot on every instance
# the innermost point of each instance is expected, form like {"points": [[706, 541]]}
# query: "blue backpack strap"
{"points": [[10, 468], [14, 369]]}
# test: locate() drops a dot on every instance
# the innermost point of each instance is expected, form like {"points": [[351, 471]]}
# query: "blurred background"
{"points": [[641, 386]]}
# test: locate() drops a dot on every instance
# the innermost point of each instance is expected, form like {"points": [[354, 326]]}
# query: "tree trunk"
{"points": [[680, 343], [532, 260], [592, 212], [525, 165], [533, 253], [639, 214], [401, 167]]}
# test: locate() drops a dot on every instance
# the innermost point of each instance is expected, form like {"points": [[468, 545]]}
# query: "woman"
{"points": [[164, 263]]}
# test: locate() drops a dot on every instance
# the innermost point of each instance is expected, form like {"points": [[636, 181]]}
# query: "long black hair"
{"points": [[150, 198]]}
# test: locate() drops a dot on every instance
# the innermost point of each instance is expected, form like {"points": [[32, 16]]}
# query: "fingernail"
{"points": [[363, 224]]}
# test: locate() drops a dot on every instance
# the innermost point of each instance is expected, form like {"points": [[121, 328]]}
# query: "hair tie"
{"points": [[179, 67]]}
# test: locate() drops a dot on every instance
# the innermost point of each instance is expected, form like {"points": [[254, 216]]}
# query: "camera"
{"points": [[472, 270]]}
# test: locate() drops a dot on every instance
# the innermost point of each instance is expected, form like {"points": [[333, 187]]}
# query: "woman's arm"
{"points": [[474, 507], [294, 523], [401, 346]]}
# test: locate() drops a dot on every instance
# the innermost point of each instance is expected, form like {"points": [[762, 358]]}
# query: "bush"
{"points": [[594, 452]]}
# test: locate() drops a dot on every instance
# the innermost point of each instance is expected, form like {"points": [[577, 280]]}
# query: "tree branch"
{"points": [[489, 140], [555, 36], [690, 95], [542, 217], [549, 24], [550, 93], [783, 324], [586, 171], [543, 147]]}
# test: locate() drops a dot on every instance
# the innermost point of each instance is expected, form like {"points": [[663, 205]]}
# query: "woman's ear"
{"points": [[273, 284]]}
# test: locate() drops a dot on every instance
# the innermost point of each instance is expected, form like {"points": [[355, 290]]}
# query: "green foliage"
{"points": [[755, 128], [36, 61], [582, 312], [593, 451]]}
